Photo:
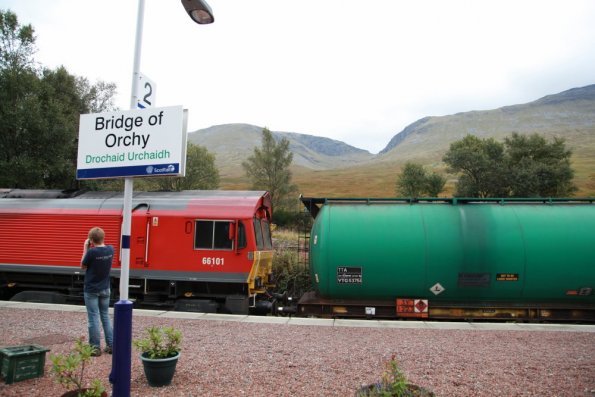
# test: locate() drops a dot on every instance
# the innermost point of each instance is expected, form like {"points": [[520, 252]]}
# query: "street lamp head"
{"points": [[199, 11]]}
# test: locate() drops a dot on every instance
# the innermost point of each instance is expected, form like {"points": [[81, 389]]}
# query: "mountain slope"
{"points": [[327, 167], [234, 143], [569, 114]]}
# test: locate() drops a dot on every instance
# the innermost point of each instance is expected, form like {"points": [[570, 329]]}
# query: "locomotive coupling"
{"points": [[284, 304], [262, 308], [285, 310], [279, 297]]}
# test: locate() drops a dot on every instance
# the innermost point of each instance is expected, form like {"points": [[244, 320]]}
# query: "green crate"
{"points": [[22, 362]]}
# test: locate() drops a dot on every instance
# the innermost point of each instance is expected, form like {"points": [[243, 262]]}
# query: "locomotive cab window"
{"points": [[258, 234], [262, 232], [266, 235], [213, 235]]}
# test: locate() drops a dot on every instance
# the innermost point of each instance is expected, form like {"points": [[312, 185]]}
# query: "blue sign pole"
{"points": [[122, 349]]}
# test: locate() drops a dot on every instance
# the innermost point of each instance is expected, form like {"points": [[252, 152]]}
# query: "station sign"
{"points": [[140, 142]]}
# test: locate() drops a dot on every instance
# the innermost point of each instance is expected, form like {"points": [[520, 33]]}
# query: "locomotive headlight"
{"points": [[250, 256]]}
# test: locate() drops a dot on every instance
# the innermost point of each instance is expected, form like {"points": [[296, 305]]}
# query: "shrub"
{"points": [[160, 342], [393, 384], [290, 275], [69, 370]]}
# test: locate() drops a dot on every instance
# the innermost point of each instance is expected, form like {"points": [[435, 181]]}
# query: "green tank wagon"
{"points": [[453, 258]]}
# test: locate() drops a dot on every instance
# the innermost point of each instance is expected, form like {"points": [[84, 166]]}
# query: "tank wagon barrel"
{"points": [[452, 258]]}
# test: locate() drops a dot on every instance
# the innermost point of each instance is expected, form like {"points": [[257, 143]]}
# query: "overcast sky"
{"points": [[356, 71]]}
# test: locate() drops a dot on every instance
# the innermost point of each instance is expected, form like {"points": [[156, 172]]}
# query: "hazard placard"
{"points": [[437, 289], [412, 308]]}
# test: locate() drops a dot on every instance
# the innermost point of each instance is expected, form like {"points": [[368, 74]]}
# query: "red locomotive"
{"points": [[194, 250]]}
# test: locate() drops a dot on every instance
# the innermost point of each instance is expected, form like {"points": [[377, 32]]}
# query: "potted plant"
{"points": [[393, 384], [160, 350], [69, 371]]}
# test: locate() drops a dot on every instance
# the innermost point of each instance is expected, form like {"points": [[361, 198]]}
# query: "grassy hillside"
{"points": [[569, 115], [323, 167], [234, 143]]}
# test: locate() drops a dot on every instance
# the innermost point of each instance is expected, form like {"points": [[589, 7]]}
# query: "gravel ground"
{"points": [[246, 359]]}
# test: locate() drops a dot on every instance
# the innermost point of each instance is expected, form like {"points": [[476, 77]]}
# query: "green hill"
{"points": [[331, 168], [233, 143]]}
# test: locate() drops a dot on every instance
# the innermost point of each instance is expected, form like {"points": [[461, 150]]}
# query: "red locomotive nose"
{"points": [[191, 250]]}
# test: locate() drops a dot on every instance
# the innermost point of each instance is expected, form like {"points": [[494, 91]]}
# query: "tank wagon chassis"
{"points": [[310, 305], [451, 259]]}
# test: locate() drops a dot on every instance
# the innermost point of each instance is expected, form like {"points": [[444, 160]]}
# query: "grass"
{"points": [[378, 179]]}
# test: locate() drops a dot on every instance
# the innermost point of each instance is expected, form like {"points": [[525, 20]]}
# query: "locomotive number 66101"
{"points": [[212, 261]]}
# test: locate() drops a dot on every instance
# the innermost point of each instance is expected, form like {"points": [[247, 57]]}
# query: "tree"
{"points": [[414, 181], [480, 162], [538, 168], [524, 166], [435, 184], [39, 113], [201, 172], [591, 184], [17, 79], [17, 43], [268, 168], [98, 97]]}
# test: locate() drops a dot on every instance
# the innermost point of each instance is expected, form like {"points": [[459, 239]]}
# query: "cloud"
{"points": [[353, 71]]}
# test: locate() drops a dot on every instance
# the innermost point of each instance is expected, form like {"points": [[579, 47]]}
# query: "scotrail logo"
{"points": [[165, 170], [170, 169]]}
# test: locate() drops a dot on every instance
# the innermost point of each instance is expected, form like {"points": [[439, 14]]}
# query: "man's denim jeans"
{"points": [[97, 310]]}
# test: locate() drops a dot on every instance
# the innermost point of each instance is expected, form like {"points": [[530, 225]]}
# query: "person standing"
{"points": [[97, 263]]}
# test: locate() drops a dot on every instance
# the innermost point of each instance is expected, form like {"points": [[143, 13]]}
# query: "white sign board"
{"points": [[145, 92], [149, 142]]}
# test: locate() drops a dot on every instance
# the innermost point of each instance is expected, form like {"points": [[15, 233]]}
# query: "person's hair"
{"points": [[96, 235]]}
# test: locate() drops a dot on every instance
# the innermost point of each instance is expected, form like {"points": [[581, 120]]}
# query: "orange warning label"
{"points": [[413, 308]]}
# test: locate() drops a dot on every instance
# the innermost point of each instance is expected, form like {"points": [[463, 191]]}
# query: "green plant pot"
{"points": [[159, 371]]}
